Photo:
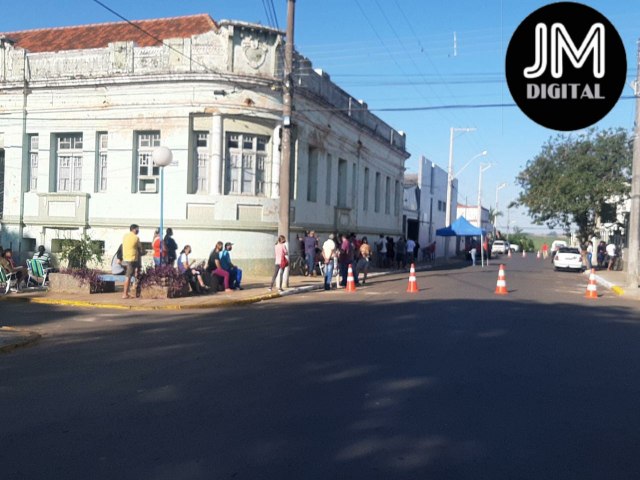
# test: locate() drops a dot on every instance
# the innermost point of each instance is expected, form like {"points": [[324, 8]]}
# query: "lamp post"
{"points": [[483, 167], [450, 177], [495, 215], [162, 156]]}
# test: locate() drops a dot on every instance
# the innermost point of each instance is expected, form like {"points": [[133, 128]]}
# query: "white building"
{"points": [[470, 212], [425, 204], [82, 109]]}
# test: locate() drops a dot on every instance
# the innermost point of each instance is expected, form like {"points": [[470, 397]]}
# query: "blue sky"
{"points": [[398, 54]]}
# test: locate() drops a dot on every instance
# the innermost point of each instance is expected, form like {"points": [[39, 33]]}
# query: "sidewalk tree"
{"points": [[574, 179], [79, 253]]}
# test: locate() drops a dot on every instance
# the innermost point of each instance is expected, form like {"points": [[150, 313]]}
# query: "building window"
{"points": [[246, 164], [148, 173], [69, 161], [377, 192], [365, 199], [342, 183], [398, 193], [33, 162], [387, 195], [312, 176], [101, 170], [202, 161], [329, 182]]}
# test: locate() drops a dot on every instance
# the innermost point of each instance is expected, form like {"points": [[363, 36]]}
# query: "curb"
{"points": [[607, 284], [26, 338], [195, 306]]}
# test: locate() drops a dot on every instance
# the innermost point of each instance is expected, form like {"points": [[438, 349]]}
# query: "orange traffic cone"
{"points": [[509, 254], [524, 254], [592, 290], [351, 284], [538, 255], [413, 285], [501, 286]]}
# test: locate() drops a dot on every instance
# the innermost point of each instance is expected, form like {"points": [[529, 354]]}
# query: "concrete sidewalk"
{"points": [[616, 282]]}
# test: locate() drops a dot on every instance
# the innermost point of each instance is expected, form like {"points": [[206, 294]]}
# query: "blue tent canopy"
{"points": [[460, 228]]}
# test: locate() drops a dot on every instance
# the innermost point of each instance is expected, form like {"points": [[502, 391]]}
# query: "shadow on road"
{"points": [[462, 389]]}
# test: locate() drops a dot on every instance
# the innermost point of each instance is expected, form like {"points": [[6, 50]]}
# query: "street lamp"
{"points": [[495, 215], [450, 177], [483, 167], [162, 156]]}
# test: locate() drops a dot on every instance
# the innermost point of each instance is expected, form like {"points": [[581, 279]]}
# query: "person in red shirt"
{"points": [[157, 260]]}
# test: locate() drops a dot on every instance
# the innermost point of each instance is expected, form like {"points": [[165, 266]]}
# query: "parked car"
{"points": [[499, 246], [567, 258], [514, 247], [556, 245]]}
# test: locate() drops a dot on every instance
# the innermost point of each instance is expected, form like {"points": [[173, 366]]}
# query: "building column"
{"points": [[217, 154]]}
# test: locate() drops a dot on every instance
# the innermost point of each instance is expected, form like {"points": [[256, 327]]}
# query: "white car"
{"points": [[499, 246], [567, 258]]}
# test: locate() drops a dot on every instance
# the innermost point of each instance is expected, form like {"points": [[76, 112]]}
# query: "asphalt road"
{"points": [[453, 382]]}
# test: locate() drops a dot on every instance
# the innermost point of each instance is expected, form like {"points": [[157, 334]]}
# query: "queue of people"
{"points": [[127, 261]]}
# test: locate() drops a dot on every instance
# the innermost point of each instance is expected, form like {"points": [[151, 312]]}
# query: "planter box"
{"points": [[65, 283], [159, 291]]}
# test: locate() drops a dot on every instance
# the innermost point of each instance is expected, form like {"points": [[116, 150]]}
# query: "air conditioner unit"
{"points": [[148, 184]]}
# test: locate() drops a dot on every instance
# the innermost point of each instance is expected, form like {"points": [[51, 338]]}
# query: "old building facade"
{"points": [[83, 108]]}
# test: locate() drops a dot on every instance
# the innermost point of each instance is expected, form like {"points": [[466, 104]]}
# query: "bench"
{"points": [[114, 278]]}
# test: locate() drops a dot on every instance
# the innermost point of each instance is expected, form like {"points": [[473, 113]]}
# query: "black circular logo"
{"points": [[566, 66]]}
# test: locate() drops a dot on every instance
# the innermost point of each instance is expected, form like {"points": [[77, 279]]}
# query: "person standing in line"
{"points": [[310, 245], [365, 258], [172, 247], [281, 263], [156, 244], [611, 253], [381, 250], [328, 250], [131, 254], [589, 255], [473, 251], [411, 251], [401, 253]]}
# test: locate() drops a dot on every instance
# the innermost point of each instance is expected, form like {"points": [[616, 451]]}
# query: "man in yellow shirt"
{"points": [[130, 256]]}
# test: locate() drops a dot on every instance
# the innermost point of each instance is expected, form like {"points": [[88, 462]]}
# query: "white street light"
{"points": [[450, 177], [495, 215], [484, 153], [483, 167], [162, 156]]}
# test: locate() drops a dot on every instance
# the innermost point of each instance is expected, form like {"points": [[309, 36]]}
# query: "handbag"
{"points": [[283, 261]]}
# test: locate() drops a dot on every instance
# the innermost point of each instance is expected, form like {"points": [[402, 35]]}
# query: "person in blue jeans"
{"points": [[235, 274], [328, 251]]}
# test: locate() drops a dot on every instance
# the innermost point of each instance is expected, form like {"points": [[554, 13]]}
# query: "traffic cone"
{"points": [[592, 290], [524, 254], [351, 284], [501, 286], [538, 255], [413, 285], [509, 254]]}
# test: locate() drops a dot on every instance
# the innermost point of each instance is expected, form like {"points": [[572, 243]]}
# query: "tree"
{"points": [[493, 216], [575, 177], [518, 237]]}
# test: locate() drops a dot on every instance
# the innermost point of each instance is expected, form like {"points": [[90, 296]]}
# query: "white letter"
{"points": [[562, 42], [540, 64]]}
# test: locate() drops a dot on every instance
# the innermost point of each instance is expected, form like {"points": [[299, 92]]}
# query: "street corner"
{"points": [[12, 338]]}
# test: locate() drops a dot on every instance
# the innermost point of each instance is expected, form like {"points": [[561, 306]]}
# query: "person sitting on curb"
{"points": [[192, 275], [214, 267], [235, 274]]}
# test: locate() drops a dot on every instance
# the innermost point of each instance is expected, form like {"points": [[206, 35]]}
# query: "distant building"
{"points": [[425, 204], [84, 107], [470, 212]]}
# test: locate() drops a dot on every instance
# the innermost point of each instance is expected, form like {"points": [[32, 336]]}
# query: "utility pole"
{"points": [[287, 102], [634, 214]]}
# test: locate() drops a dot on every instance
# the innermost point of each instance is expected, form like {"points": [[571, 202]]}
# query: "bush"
{"points": [[163, 276], [78, 253]]}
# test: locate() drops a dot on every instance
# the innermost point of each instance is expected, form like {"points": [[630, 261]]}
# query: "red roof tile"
{"points": [[148, 33]]}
